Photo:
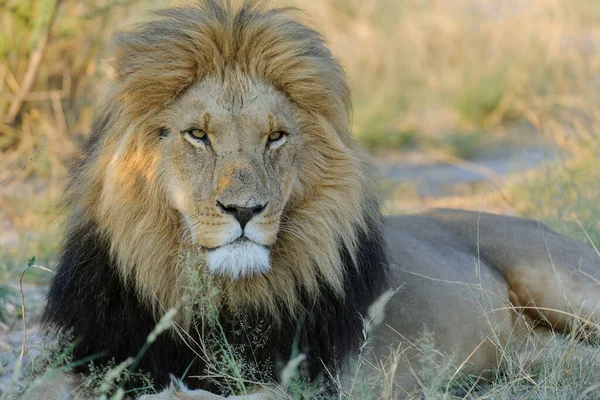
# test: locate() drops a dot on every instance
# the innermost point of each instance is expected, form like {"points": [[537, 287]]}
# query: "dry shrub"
{"points": [[486, 61]]}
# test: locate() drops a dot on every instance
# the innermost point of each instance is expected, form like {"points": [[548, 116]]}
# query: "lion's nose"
{"points": [[242, 214]]}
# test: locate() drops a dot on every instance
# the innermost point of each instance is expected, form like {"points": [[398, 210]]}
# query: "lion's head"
{"points": [[229, 153], [226, 132]]}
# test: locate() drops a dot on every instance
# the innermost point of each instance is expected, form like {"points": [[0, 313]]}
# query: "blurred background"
{"points": [[479, 104]]}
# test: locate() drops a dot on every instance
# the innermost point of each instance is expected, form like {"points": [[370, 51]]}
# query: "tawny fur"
{"points": [[126, 192]]}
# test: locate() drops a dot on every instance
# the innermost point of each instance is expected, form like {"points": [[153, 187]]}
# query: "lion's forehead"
{"points": [[235, 164], [219, 107]]}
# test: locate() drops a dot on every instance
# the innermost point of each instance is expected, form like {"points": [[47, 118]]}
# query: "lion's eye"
{"points": [[195, 136], [276, 137]]}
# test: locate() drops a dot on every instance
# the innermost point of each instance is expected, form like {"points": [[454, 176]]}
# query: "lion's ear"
{"points": [[115, 59], [111, 71], [151, 66]]}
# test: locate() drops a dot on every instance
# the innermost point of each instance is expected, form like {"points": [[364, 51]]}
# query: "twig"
{"points": [[33, 67], [11, 81], [31, 265], [36, 96], [59, 113], [17, 369]]}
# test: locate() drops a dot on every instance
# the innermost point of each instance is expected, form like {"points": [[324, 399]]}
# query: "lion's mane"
{"points": [[118, 269]]}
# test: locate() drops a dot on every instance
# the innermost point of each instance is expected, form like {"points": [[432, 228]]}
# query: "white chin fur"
{"points": [[240, 259]]}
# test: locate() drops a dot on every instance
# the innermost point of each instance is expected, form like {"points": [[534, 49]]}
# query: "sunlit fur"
{"points": [[122, 188]]}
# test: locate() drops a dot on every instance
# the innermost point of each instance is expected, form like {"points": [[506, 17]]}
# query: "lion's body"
{"points": [[465, 277], [222, 163]]}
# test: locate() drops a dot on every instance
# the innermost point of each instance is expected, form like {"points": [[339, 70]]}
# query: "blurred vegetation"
{"points": [[52, 73], [564, 195], [425, 74], [480, 62], [58, 46]]}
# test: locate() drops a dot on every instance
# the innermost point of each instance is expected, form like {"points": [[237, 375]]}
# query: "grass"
{"points": [[36, 228], [7, 296], [562, 368], [478, 99], [424, 75], [477, 59], [482, 60], [571, 188]]}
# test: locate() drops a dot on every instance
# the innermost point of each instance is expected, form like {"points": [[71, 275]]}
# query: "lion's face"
{"points": [[228, 153], [255, 165]]}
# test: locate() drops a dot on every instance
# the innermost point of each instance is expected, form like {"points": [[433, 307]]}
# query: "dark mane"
{"points": [[108, 322]]}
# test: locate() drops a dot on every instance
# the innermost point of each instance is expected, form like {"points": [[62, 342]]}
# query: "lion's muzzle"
{"points": [[240, 259]]}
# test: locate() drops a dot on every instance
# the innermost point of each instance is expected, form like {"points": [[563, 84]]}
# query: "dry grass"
{"points": [[67, 83], [424, 73], [431, 67], [418, 69]]}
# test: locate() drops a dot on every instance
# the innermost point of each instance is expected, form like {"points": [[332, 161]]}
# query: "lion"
{"points": [[225, 140]]}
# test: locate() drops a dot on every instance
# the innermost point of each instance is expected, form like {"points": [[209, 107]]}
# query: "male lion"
{"points": [[223, 160]]}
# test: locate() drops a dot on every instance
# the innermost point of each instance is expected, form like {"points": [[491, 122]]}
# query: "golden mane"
{"points": [[119, 189]]}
